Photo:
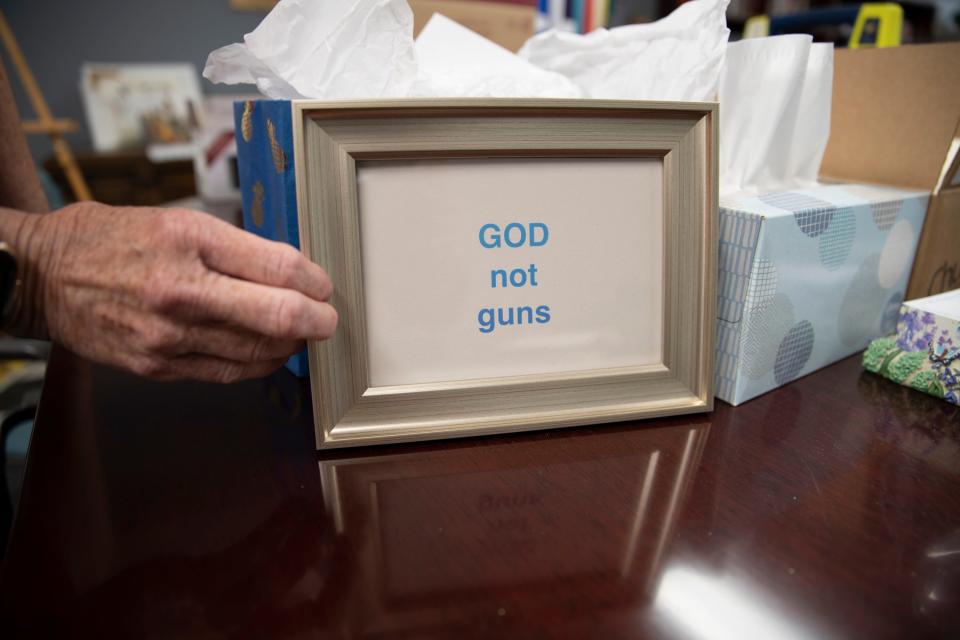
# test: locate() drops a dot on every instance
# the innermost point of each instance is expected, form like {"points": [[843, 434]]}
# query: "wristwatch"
{"points": [[8, 282]]}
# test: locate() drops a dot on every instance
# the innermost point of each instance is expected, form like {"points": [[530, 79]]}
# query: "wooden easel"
{"points": [[45, 123]]}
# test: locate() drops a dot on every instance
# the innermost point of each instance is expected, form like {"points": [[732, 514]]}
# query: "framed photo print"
{"points": [[133, 105], [506, 265]]}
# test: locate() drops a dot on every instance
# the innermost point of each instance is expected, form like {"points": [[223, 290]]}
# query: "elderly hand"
{"points": [[165, 293]]}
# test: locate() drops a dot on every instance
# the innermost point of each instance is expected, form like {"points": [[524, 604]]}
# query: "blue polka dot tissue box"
{"points": [[808, 277], [264, 133]]}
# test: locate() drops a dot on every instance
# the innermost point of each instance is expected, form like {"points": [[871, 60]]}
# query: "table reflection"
{"points": [[460, 531]]}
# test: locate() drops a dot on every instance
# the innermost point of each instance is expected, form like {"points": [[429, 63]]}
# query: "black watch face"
{"points": [[8, 278]]}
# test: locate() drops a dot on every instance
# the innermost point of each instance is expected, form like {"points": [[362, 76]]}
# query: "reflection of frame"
{"points": [[430, 527], [392, 197], [132, 105]]}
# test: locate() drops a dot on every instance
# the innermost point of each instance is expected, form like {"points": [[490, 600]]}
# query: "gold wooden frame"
{"points": [[331, 137]]}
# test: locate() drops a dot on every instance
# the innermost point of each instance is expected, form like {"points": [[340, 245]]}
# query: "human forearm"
{"points": [[30, 238]]}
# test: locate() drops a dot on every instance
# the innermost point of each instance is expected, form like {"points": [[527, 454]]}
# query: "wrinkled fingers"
{"points": [[232, 251], [261, 309]]}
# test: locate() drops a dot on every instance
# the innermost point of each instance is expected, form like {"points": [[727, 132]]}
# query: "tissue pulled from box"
{"points": [[330, 49], [676, 58], [775, 98], [455, 61]]}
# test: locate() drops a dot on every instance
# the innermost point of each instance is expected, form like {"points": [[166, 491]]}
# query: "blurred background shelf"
{"points": [[129, 177]]}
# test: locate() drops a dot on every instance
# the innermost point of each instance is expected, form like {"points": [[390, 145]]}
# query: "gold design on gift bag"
{"points": [[246, 122], [256, 211], [279, 157]]}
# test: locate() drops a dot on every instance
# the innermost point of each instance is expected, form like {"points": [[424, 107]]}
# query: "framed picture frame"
{"points": [[142, 104], [508, 264]]}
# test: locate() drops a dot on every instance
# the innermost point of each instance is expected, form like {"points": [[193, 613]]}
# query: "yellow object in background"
{"points": [[603, 13], [757, 27], [875, 24], [879, 24]]}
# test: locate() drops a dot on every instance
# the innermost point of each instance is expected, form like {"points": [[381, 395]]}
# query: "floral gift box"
{"points": [[925, 352]]}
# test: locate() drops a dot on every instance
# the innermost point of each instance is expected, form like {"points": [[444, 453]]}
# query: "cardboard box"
{"points": [[896, 121], [807, 277], [509, 24]]}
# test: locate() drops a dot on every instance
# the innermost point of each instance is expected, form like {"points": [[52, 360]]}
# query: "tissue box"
{"points": [[925, 352], [264, 132], [807, 277]]}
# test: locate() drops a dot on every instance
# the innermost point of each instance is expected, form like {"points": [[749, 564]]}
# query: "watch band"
{"points": [[8, 282]]}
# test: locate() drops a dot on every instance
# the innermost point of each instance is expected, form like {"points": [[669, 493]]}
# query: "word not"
{"points": [[517, 278], [514, 235], [489, 318]]}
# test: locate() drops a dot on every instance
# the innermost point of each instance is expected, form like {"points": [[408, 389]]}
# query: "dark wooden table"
{"points": [[827, 509]]}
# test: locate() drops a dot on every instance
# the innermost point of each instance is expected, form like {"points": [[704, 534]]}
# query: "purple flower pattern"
{"points": [[916, 330]]}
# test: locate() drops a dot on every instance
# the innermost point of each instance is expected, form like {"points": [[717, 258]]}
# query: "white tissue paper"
{"points": [[809, 141], [330, 49], [454, 61], [676, 58], [774, 113], [365, 49]]}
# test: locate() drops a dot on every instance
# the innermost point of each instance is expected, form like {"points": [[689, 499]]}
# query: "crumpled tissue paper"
{"points": [[455, 61], [324, 49], [775, 98], [676, 58], [345, 49]]}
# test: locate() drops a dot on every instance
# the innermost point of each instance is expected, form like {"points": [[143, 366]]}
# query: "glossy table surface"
{"points": [[827, 509]]}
